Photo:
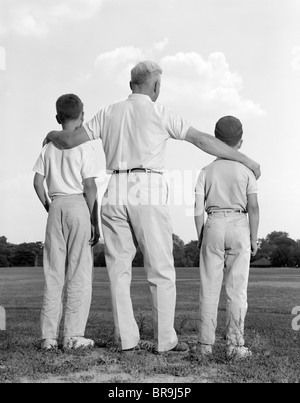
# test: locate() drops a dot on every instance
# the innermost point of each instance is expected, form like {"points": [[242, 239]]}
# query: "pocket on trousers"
{"points": [[242, 222]]}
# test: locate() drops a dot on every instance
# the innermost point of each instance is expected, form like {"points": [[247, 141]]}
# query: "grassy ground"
{"points": [[276, 346]]}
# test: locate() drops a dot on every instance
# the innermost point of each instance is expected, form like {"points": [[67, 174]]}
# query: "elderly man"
{"points": [[134, 133]]}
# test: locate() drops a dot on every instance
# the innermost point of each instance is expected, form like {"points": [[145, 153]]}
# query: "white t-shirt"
{"points": [[65, 170], [226, 185], [134, 133]]}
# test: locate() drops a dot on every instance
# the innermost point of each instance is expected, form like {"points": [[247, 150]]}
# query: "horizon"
{"points": [[218, 58]]}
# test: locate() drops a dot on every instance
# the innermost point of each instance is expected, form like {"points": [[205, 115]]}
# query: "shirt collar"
{"points": [[140, 97]]}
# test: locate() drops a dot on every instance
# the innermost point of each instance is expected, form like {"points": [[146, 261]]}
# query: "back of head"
{"points": [[144, 71], [68, 107], [229, 130]]}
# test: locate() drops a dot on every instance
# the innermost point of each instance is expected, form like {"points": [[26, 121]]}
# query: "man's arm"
{"points": [[91, 195], [66, 139], [199, 217], [213, 146], [253, 212], [38, 184]]}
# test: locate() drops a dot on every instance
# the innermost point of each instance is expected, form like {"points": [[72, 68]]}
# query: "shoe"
{"points": [[49, 345], [206, 350], [75, 343], [181, 348], [239, 353], [133, 350]]}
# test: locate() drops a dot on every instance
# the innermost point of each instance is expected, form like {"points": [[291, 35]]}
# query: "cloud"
{"points": [[35, 18], [210, 85], [190, 82], [2, 58], [160, 46], [118, 60], [296, 58]]}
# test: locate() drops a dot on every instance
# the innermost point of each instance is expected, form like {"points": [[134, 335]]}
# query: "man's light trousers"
{"points": [[68, 263], [226, 243], [135, 212]]}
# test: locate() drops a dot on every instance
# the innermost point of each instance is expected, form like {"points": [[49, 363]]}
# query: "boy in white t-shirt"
{"points": [[72, 230], [227, 191]]}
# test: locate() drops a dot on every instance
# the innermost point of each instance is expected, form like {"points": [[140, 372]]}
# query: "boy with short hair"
{"points": [[227, 191], [72, 230]]}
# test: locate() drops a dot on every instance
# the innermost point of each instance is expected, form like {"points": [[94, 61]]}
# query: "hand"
{"points": [[95, 235], [256, 170], [254, 247], [46, 141]]}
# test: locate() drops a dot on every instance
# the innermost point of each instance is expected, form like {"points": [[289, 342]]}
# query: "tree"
{"points": [[27, 255], [283, 256], [5, 251], [178, 251], [191, 254], [280, 249]]}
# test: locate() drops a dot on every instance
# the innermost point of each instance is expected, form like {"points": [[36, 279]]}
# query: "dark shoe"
{"points": [[133, 350], [181, 348]]}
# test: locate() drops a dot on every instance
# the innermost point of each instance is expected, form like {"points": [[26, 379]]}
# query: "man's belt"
{"points": [[240, 211], [145, 170]]}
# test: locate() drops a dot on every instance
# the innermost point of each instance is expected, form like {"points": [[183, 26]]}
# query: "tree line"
{"points": [[278, 248]]}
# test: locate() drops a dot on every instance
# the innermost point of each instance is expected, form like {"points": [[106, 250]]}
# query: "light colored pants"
{"points": [[226, 243], [68, 263], [135, 212]]}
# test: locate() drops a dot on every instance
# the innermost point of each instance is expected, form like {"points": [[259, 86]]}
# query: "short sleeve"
{"points": [[200, 186], [94, 127], [90, 164], [39, 166], [176, 126], [252, 184]]}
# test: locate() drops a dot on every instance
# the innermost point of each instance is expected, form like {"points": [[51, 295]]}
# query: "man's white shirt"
{"points": [[134, 133]]}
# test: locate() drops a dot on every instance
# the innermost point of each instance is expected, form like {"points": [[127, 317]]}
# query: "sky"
{"points": [[219, 57]]}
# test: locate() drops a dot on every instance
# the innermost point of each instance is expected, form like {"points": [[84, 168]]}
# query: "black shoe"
{"points": [[181, 348], [133, 350]]}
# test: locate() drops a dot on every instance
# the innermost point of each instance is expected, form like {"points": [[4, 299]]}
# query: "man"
{"points": [[134, 135], [73, 217]]}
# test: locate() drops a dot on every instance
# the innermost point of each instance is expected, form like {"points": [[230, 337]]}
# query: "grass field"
{"points": [[273, 293]]}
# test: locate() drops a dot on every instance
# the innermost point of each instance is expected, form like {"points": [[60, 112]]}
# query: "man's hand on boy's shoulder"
{"points": [[46, 141], [257, 172], [49, 138], [255, 168]]}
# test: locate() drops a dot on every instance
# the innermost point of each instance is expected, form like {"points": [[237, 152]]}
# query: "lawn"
{"points": [[273, 293]]}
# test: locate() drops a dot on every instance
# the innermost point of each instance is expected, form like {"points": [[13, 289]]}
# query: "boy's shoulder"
{"points": [[225, 168], [220, 163]]}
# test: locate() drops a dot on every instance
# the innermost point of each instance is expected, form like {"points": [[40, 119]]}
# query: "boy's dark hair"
{"points": [[229, 130], [68, 107]]}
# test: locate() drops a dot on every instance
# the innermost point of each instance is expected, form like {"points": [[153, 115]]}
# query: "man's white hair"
{"points": [[143, 71]]}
